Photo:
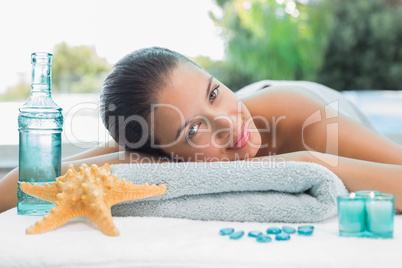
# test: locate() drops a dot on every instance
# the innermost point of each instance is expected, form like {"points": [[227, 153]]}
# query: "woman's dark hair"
{"points": [[128, 93]]}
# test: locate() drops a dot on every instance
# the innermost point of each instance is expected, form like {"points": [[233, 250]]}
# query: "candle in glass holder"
{"points": [[380, 215], [367, 194], [351, 213]]}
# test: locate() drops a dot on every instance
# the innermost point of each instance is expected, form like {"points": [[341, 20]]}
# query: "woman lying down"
{"points": [[158, 104]]}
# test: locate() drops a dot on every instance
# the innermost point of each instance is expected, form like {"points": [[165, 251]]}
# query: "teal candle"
{"points": [[380, 215], [367, 194], [351, 214]]}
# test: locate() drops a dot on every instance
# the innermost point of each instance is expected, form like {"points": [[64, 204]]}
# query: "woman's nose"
{"points": [[224, 127]]}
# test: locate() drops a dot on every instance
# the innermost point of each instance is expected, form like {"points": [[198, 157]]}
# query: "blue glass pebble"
{"points": [[264, 239], [254, 233], [306, 230], [273, 230], [237, 235], [226, 231], [288, 229], [282, 237]]}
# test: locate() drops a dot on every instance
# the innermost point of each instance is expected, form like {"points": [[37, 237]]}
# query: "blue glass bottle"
{"points": [[40, 123]]}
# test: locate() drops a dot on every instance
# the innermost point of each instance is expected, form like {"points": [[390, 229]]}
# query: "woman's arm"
{"points": [[355, 174], [309, 124], [352, 140], [106, 148], [98, 155], [9, 184], [364, 175], [361, 158]]}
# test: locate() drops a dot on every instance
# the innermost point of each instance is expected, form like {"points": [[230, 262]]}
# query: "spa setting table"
{"points": [[169, 242]]}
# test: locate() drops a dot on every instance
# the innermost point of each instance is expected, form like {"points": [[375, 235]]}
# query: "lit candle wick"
{"points": [[352, 195], [372, 195]]}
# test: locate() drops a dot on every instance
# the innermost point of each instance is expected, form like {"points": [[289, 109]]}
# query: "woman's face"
{"points": [[197, 118]]}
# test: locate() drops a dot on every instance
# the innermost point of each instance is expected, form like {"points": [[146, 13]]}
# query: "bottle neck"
{"points": [[40, 99], [41, 80]]}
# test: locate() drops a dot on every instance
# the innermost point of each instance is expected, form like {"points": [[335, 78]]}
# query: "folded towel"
{"points": [[250, 191]]}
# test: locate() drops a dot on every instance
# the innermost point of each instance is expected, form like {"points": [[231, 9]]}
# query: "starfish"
{"points": [[88, 193]]}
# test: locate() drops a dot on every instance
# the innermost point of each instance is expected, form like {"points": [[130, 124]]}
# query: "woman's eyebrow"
{"points": [[189, 121]]}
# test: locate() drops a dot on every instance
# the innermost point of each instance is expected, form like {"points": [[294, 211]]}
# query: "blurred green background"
{"points": [[344, 44]]}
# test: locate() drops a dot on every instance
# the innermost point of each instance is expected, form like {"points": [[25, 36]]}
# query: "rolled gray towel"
{"points": [[252, 191]]}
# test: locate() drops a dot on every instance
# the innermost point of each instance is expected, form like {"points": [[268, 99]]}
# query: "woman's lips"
{"points": [[241, 140]]}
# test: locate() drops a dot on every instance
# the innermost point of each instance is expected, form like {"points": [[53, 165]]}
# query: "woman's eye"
{"points": [[192, 131], [213, 94]]}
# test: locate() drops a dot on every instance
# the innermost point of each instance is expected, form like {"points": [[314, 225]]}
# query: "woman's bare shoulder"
{"points": [[284, 94], [293, 102], [285, 109]]}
